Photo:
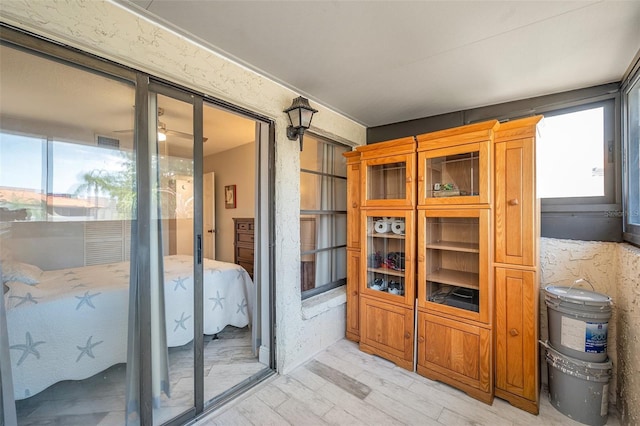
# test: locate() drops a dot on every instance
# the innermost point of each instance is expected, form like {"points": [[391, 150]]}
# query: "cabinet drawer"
{"points": [[244, 252], [245, 238], [244, 226]]}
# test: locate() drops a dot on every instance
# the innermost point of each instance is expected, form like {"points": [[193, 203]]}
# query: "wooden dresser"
{"points": [[243, 243]]}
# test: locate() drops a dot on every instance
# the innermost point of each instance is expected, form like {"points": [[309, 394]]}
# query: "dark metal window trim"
{"points": [[334, 284], [611, 148], [630, 231]]}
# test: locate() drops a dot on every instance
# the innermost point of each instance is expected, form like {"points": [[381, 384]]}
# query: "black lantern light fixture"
{"points": [[300, 114]]}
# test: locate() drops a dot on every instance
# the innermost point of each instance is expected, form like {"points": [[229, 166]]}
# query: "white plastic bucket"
{"points": [[579, 389], [578, 322]]}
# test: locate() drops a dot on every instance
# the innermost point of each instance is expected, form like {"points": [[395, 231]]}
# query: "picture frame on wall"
{"points": [[230, 197]]}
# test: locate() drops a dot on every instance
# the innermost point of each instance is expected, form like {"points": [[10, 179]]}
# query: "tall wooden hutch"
{"points": [[442, 239]]}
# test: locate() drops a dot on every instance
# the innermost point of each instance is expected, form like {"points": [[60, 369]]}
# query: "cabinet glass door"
{"points": [[388, 256], [454, 266], [387, 181], [388, 175], [455, 175]]}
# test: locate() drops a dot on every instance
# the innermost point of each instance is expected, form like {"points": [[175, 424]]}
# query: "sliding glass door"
{"points": [[114, 313]]}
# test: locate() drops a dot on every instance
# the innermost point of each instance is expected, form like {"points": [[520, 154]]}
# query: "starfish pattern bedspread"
{"points": [[73, 323]]}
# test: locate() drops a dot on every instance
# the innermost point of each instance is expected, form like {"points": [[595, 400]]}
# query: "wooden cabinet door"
{"points": [[386, 330], [454, 257], [353, 279], [353, 199], [516, 334], [466, 168], [456, 353], [387, 268], [515, 202]]}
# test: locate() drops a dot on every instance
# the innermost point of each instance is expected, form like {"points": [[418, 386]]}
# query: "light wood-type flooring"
{"points": [[344, 386]]}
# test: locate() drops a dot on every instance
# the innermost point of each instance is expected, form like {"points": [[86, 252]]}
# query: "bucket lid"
{"points": [[587, 370], [577, 295]]}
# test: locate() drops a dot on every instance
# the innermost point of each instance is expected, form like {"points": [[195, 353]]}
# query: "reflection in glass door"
{"points": [[67, 181]]}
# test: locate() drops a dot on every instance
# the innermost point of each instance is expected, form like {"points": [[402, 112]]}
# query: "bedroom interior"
{"points": [[121, 35]]}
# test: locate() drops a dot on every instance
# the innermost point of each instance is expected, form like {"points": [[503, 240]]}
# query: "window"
{"points": [[632, 165], [576, 172], [323, 215], [571, 172]]}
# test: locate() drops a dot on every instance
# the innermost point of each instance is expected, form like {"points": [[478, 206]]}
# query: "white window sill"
{"points": [[317, 305]]}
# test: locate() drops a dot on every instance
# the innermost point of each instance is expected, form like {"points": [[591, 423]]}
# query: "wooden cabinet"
{"points": [[387, 174], [464, 220], [387, 288], [455, 258], [353, 245], [517, 230], [244, 243], [457, 353]]}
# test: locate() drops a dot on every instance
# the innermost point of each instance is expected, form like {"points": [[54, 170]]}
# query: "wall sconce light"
{"points": [[300, 114]]}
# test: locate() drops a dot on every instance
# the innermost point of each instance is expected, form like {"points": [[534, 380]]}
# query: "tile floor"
{"points": [[344, 386]]}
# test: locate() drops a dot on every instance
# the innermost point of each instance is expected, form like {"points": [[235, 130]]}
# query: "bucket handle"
{"points": [[581, 280]]}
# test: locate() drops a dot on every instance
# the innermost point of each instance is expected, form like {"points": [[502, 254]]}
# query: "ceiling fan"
{"points": [[163, 132]]}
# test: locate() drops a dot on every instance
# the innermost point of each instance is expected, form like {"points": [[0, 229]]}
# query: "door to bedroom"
{"points": [[119, 305]]}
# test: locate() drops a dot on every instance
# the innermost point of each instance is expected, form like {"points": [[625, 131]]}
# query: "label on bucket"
{"points": [[596, 337], [573, 334]]}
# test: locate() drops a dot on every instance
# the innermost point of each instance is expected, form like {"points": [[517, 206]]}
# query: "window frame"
{"points": [[333, 248], [630, 231], [594, 203]]}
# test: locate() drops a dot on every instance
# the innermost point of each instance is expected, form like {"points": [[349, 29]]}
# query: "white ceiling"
{"points": [[381, 62]]}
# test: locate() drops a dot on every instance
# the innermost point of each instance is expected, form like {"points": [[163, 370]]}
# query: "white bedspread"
{"points": [[73, 323]]}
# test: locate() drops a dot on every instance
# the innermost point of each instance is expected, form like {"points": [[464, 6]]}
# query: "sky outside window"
{"points": [[570, 159]]}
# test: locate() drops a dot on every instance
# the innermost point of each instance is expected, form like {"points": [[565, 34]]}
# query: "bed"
{"points": [[70, 324]]}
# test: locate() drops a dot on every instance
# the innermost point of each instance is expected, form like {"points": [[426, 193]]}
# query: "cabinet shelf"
{"points": [[453, 277], [390, 235], [454, 246], [386, 271]]}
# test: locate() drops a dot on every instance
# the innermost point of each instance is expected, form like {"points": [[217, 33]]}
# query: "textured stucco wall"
{"points": [[613, 269], [628, 305], [110, 31]]}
